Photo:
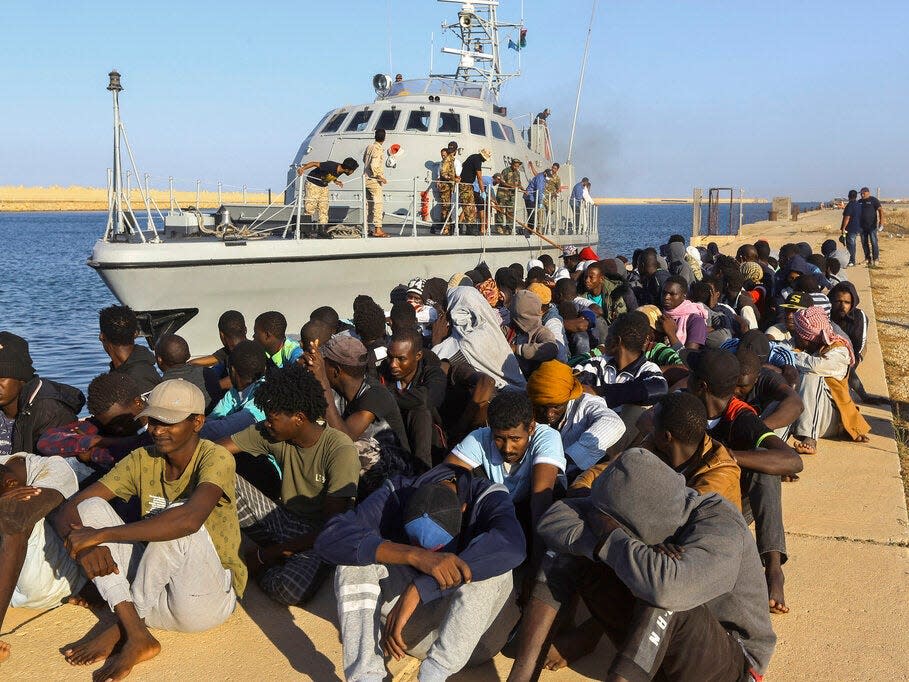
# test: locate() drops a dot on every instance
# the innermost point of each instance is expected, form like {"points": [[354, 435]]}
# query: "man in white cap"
{"points": [[177, 569]]}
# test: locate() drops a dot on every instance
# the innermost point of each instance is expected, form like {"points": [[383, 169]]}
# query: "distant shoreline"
{"points": [[75, 198]]}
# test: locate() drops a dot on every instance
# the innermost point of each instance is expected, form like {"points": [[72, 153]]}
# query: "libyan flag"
{"points": [[522, 41]]}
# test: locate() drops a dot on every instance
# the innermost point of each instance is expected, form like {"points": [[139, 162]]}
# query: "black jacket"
{"points": [[43, 404], [140, 365]]}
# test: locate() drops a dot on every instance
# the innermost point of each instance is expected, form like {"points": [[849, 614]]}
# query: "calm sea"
{"points": [[52, 298]]}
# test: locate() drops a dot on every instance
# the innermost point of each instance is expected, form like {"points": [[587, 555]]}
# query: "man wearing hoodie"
{"points": [[678, 264], [29, 405], [172, 356], [119, 327], [432, 557], [530, 340], [679, 592]]}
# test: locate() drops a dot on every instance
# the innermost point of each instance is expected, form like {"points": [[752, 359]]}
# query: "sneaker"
{"points": [[850, 265]]}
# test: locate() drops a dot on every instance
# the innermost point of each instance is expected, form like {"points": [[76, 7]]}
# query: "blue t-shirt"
{"points": [[854, 211], [478, 449], [234, 401], [289, 353], [536, 185], [577, 193]]}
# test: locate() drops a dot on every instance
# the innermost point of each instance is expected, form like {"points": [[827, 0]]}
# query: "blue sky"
{"points": [[805, 98]]}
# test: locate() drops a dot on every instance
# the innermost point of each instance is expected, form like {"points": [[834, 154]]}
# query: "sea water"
{"points": [[51, 297]]}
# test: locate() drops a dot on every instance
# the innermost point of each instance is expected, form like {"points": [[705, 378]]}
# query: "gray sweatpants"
{"points": [[469, 626], [762, 502], [820, 418], [178, 585]]}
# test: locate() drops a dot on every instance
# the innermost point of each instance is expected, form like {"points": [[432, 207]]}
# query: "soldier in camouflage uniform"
{"points": [[510, 181], [374, 171], [445, 183]]}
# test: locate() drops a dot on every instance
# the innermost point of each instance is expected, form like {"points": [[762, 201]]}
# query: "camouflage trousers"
{"points": [[445, 188], [374, 203], [316, 203], [466, 200]]}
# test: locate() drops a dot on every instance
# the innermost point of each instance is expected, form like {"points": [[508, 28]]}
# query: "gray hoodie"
{"points": [[720, 566], [677, 263]]}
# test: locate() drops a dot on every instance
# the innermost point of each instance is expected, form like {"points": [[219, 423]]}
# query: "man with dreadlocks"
{"points": [[320, 470]]}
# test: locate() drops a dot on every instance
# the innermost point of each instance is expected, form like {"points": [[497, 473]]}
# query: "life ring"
{"points": [[394, 149], [424, 205]]}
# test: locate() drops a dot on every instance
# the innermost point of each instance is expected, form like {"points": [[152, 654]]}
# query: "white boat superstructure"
{"points": [[180, 271]]}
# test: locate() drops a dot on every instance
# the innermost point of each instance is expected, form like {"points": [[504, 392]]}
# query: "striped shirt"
{"points": [[639, 383], [780, 354]]}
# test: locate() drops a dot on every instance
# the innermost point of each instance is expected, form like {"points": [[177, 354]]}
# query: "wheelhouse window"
{"points": [[496, 130], [509, 132], [334, 125], [418, 121], [449, 122], [388, 119], [358, 122], [477, 125]]}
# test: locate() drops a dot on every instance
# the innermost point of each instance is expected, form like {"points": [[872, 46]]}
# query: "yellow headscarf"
{"points": [[543, 291], [553, 384]]}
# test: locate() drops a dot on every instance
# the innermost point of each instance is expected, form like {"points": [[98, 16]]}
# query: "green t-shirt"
{"points": [[141, 474], [330, 468]]}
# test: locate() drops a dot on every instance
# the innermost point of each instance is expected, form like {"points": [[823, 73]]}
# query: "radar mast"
{"points": [[478, 31]]}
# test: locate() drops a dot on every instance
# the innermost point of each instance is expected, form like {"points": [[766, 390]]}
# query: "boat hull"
{"points": [[193, 284]]}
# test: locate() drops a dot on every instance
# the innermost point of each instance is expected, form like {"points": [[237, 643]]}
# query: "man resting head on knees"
{"points": [[443, 545]]}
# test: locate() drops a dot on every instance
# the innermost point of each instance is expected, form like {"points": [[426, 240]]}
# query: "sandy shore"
{"points": [[638, 201], [846, 583], [75, 198]]}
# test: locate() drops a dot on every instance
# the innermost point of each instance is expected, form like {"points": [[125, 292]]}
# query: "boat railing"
{"points": [[411, 208]]}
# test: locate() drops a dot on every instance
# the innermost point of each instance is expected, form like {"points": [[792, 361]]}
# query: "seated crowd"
{"points": [[473, 455]]}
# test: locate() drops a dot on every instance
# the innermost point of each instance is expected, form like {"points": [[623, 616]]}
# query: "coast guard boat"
{"points": [[181, 270]]}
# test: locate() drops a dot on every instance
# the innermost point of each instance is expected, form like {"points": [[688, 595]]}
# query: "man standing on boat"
{"points": [[317, 185], [374, 170], [445, 184], [471, 170], [510, 181]]}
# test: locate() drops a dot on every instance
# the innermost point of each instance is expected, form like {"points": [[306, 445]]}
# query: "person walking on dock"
{"points": [[374, 171]]}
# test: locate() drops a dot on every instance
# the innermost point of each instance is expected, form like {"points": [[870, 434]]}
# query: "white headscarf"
{"points": [[475, 331]]}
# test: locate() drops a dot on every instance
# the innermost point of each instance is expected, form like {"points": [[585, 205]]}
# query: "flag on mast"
{"points": [[522, 41]]}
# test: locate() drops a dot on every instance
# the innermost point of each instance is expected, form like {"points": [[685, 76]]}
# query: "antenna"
{"points": [[115, 89], [577, 102], [478, 31]]}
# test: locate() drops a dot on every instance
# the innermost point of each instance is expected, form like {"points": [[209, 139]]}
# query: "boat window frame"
{"points": [[408, 128], [368, 113], [509, 132], [470, 120], [394, 112], [341, 116], [457, 117], [493, 126]]}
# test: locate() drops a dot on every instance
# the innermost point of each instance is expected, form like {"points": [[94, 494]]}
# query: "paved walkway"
{"points": [[847, 579]]}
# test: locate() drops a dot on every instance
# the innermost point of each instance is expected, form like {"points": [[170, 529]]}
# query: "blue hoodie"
{"points": [[491, 540]]}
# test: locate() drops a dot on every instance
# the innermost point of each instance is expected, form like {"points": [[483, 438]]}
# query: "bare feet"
{"points": [[95, 649], [134, 651], [861, 439], [4, 651], [572, 644], [775, 581], [805, 446]]}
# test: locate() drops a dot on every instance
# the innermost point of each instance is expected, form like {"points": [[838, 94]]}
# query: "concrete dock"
{"points": [[847, 579]]}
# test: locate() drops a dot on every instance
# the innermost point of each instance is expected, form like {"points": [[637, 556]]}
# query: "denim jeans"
{"points": [[850, 245], [869, 244]]}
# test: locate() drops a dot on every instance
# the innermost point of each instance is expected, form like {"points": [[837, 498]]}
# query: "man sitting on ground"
{"points": [[172, 355], [671, 576], [624, 376], [418, 384], [29, 405], [319, 472], [232, 331], [188, 576], [433, 558], [768, 392], [587, 426], [824, 358], [364, 411], [270, 332], [762, 456], [103, 439], [680, 439], [35, 570], [119, 327]]}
